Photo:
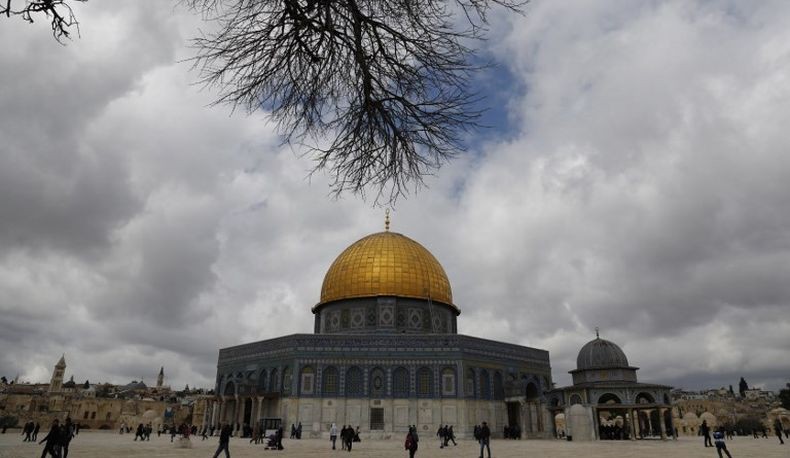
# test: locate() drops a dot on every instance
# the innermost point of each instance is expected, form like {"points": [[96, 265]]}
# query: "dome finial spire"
{"points": [[597, 335], [387, 220]]}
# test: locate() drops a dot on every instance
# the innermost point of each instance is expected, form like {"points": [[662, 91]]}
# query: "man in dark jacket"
{"points": [[66, 434], [52, 441], [224, 441], [412, 441], [485, 437]]}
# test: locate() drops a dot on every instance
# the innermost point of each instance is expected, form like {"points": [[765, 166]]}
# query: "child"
{"points": [[718, 440]]}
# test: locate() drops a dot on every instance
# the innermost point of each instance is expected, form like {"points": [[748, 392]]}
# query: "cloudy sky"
{"points": [[636, 179]]}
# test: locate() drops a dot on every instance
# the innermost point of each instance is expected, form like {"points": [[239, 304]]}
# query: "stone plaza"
{"points": [[103, 444]]}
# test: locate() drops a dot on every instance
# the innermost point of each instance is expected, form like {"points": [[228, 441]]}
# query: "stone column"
{"points": [[662, 424], [222, 408], [261, 413], [253, 411], [239, 412], [634, 420]]}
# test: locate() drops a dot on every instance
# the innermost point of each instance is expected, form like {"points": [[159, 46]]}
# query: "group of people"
{"points": [[721, 433], [348, 435], [56, 442], [445, 435], [296, 431], [512, 432], [612, 432], [143, 432], [30, 430]]}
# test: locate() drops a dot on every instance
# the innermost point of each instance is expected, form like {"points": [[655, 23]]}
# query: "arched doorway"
{"points": [[560, 427], [533, 420], [612, 418]]}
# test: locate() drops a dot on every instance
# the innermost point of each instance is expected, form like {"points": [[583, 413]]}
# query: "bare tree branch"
{"points": [[58, 12], [383, 83], [376, 90]]}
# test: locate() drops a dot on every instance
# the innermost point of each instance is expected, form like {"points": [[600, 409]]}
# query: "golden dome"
{"points": [[386, 264]]}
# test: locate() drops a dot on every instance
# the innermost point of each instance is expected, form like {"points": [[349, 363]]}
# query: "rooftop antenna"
{"points": [[597, 336], [387, 220]]}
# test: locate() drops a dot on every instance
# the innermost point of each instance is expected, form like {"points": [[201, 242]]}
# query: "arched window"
{"points": [[354, 382], [485, 385], [400, 383], [575, 399], [377, 387], [330, 382], [644, 398], [424, 382], [499, 389], [287, 380], [307, 380], [274, 381], [230, 389], [610, 398], [469, 383], [448, 381], [262, 381], [532, 392]]}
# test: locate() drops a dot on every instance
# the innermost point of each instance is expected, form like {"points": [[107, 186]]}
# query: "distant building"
{"points": [[101, 406], [721, 407]]}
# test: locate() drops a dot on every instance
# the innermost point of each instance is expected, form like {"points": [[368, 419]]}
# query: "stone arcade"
{"points": [[385, 354]]}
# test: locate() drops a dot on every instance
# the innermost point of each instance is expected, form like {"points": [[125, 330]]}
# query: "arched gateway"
{"points": [[385, 354]]}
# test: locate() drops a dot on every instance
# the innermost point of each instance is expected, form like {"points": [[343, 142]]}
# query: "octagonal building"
{"points": [[385, 354]]}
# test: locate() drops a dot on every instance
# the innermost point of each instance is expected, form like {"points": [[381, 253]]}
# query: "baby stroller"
{"points": [[271, 442]]}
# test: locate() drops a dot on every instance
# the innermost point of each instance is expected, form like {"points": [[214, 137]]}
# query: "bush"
{"points": [[748, 424], [8, 421]]}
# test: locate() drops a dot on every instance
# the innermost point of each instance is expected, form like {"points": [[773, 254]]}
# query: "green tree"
{"points": [[742, 387], [8, 421]]}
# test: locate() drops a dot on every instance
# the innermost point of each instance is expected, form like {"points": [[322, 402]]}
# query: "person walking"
{"points": [[224, 441], [778, 430], [66, 435], [348, 437], [36, 429], [412, 441], [342, 437], [27, 430], [440, 435], [451, 436], [278, 437], [333, 434], [485, 438], [52, 440], [704, 429], [718, 440]]}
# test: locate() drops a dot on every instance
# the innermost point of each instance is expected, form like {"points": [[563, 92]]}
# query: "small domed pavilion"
{"points": [[606, 401]]}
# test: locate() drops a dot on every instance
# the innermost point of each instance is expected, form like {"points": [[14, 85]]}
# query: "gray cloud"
{"points": [[643, 189]]}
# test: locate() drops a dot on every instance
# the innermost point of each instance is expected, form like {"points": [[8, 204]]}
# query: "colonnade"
{"points": [[239, 410]]}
